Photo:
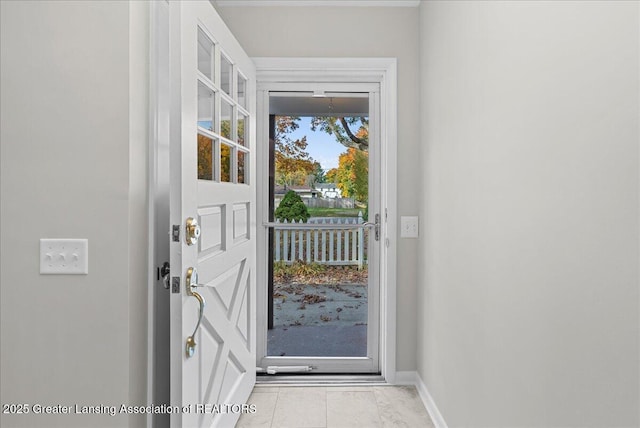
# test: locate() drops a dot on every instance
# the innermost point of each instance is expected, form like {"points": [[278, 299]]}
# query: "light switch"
{"points": [[408, 226], [64, 256]]}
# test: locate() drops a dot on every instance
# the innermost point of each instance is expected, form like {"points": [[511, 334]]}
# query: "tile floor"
{"points": [[336, 406]]}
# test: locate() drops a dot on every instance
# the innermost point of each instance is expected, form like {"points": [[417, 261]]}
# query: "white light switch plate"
{"points": [[64, 256], [408, 226]]}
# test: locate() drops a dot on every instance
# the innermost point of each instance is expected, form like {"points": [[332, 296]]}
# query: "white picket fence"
{"points": [[337, 247]]}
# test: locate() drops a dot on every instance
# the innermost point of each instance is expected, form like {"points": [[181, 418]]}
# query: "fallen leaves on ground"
{"points": [[325, 276], [313, 298]]}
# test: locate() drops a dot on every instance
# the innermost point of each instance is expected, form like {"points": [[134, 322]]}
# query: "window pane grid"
{"points": [[207, 82], [223, 118]]}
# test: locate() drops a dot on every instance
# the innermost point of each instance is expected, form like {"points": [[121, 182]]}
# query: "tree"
{"points": [[292, 208], [294, 166], [293, 163], [331, 176], [341, 129], [352, 174], [318, 173]]}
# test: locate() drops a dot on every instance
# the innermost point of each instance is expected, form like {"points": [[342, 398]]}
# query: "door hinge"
{"points": [[175, 233]]}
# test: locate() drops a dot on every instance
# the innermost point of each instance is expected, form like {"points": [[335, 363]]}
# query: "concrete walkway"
{"points": [[318, 341], [319, 320]]}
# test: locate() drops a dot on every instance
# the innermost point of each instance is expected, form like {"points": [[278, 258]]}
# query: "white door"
{"points": [[213, 217]]}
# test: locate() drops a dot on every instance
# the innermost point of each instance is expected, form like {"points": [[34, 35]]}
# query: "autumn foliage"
{"points": [[352, 174], [294, 166]]}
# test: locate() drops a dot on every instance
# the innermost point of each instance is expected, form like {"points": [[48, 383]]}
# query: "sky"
{"points": [[322, 147]]}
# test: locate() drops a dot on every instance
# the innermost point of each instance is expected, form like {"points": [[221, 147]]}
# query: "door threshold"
{"points": [[321, 380]]}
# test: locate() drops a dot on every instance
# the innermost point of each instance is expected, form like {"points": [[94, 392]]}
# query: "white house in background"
{"points": [[303, 191], [329, 190]]}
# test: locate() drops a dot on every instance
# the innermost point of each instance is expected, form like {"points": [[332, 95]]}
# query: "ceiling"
{"points": [[328, 3]]}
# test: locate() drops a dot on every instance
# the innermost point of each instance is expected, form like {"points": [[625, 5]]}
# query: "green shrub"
{"points": [[292, 208]]}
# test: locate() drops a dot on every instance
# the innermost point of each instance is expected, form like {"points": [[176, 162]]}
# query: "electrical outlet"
{"points": [[408, 226], [64, 256]]}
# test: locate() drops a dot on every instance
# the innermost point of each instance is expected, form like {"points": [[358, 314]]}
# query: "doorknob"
{"points": [[376, 226], [192, 231], [192, 283]]}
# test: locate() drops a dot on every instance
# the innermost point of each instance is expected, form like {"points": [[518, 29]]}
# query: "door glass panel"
{"points": [[225, 74], [225, 162], [242, 123], [205, 55], [242, 156], [318, 293], [242, 88], [225, 119], [205, 158], [206, 107]]}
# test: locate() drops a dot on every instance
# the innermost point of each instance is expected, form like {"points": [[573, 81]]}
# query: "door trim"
{"points": [[158, 206], [357, 70]]}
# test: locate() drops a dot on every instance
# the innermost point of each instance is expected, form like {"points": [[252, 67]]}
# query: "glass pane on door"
{"points": [[225, 119], [206, 55], [319, 282], [226, 76], [205, 158], [206, 107], [242, 91]]}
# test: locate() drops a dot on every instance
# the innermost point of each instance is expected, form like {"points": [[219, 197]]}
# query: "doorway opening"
{"points": [[322, 232], [319, 282], [375, 76]]}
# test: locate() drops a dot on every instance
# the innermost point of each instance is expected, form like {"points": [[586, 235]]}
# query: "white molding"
{"points": [[413, 378], [322, 3], [157, 179], [154, 22]]}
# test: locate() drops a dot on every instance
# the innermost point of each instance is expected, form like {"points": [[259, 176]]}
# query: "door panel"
{"points": [[211, 170]]}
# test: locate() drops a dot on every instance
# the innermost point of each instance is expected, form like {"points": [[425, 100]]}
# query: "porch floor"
{"points": [[319, 320]]}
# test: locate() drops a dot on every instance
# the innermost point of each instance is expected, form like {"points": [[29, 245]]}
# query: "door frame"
{"points": [[382, 71], [158, 390]]}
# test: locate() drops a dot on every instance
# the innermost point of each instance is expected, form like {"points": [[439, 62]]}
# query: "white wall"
{"points": [[73, 153], [528, 285], [355, 32]]}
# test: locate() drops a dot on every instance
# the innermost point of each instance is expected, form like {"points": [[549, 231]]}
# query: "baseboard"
{"points": [[413, 378]]}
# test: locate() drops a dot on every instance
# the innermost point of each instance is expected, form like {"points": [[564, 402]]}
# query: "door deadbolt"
{"points": [[192, 231]]}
